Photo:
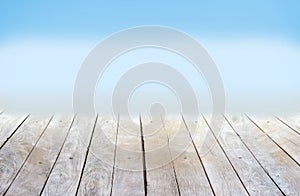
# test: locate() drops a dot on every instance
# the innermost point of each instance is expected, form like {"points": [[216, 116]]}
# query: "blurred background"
{"points": [[255, 44]]}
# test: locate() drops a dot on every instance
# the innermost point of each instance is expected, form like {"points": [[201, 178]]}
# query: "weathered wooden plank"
{"points": [[161, 177], [66, 173], [128, 176], [9, 125], [282, 135], [221, 174], [189, 169], [35, 171], [249, 170], [17, 150], [293, 122], [97, 176], [283, 170]]}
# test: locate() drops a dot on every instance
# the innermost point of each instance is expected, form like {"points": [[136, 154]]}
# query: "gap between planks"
{"points": [[88, 154], [270, 156]]}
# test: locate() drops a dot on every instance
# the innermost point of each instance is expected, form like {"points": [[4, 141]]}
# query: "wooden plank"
{"points": [[221, 174], [190, 173], [97, 176], [161, 177], [17, 150], [293, 122], [283, 136], [128, 177], [249, 170], [35, 171], [9, 125], [283, 171], [66, 173]]}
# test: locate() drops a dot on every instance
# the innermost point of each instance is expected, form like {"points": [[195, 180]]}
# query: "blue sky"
{"points": [[98, 18], [256, 45]]}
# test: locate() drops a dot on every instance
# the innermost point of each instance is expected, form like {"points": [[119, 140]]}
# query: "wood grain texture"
{"points": [[221, 174], [8, 125], [282, 135], [35, 171], [14, 154], [251, 173], [65, 176], [161, 179], [43, 155], [283, 170], [97, 176], [128, 175], [190, 173]]}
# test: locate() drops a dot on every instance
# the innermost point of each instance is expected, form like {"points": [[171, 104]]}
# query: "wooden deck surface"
{"points": [[71, 155]]}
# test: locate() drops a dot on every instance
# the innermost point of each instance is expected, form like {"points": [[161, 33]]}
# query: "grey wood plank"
{"points": [[283, 136], [293, 122], [8, 126], [249, 170], [283, 170], [128, 175], [161, 177], [97, 176], [190, 172], [221, 174], [17, 150], [35, 171], [65, 176]]}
